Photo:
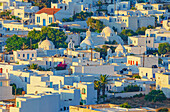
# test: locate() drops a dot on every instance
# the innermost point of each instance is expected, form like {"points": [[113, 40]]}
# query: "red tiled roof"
{"points": [[49, 11]]}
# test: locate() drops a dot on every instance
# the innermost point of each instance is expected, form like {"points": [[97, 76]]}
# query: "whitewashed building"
{"points": [[163, 82]]}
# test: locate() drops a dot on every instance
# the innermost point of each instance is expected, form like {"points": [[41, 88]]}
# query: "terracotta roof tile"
{"points": [[49, 11]]}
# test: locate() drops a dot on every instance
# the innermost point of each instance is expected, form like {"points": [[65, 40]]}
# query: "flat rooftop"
{"points": [[112, 108]]}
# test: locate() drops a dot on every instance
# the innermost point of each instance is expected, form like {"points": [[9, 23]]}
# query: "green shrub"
{"points": [[155, 95], [132, 88], [163, 110], [136, 76], [125, 105]]}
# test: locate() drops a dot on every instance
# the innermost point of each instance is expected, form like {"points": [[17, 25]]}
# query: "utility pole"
{"points": [[143, 59], [3, 56], [23, 46], [91, 54], [15, 96]]}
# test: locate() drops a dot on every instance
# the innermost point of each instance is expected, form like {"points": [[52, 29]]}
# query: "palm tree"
{"points": [[103, 80], [97, 86]]}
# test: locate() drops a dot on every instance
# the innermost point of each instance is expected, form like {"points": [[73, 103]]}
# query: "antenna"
{"points": [[31, 44], [91, 54], [23, 46], [114, 5], [143, 59], [3, 56]]}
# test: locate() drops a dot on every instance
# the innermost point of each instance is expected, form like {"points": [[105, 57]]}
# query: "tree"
{"points": [[56, 36], [125, 33], [103, 80], [141, 31], [13, 88], [163, 110], [36, 67], [133, 8], [125, 105], [97, 86], [33, 66], [15, 43], [162, 17], [18, 90], [136, 76], [150, 27], [95, 24], [103, 50], [164, 48], [155, 95]]}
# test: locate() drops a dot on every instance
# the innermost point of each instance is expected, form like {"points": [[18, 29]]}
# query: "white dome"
{"points": [[46, 45], [87, 42], [107, 31]]}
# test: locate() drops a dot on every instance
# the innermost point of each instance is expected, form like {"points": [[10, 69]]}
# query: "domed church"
{"points": [[46, 45], [107, 34]]}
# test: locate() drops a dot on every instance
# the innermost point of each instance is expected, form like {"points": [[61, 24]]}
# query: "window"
{"points": [[23, 55], [50, 63], [124, 6], [110, 20], [83, 91], [38, 19], [32, 55], [111, 10], [146, 74], [17, 104], [154, 75], [28, 56], [163, 38], [46, 62], [61, 7], [152, 35], [149, 41], [25, 79], [136, 63], [18, 55], [50, 19], [19, 13]]}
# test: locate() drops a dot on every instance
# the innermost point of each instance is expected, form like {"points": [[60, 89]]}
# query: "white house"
{"points": [[5, 88], [149, 73], [163, 82], [38, 103], [27, 14], [126, 22], [142, 60]]}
